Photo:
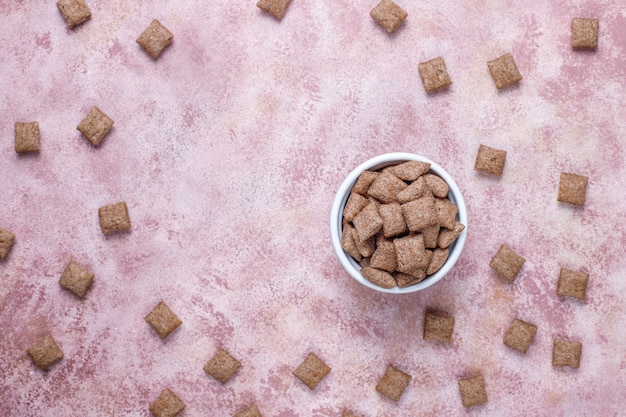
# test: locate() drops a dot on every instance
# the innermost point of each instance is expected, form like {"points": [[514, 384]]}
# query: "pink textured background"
{"points": [[228, 150]]}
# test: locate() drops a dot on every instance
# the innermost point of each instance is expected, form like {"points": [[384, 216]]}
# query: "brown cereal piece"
{"points": [[276, 8], [393, 221], [163, 320], [434, 75], [420, 214], [74, 12], [311, 371], [252, 411], [378, 277], [76, 279], [45, 353], [363, 183], [389, 15], [411, 254], [6, 242], [386, 187], [26, 137], [393, 383], [348, 414], [385, 257], [222, 366], [520, 335], [572, 189], [365, 247], [155, 38], [438, 327], [490, 160], [114, 218], [406, 280], [572, 284], [368, 222], [413, 191], [410, 170], [446, 237], [507, 263], [446, 212], [431, 234], [167, 405], [437, 185], [354, 205], [565, 353], [95, 126], [347, 242], [439, 258], [504, 71], [585, 33], [473, 391]]}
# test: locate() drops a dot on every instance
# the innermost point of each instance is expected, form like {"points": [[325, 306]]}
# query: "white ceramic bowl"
{"points": [[336, 214]]}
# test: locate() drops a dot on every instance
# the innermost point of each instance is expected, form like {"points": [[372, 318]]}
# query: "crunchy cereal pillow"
{"points": [[520, 335], [490, 160], [6, 242], [222, 366], [585, 33], [311, 371], [114, 218], [74, 12], [473, 391], [95, 126], [155, 38], [45, 353], [566, 353], [167, 405], [504, 71], [76, 279], [393, 383], [389, 15], [276, 8], [507, 263], [434, 75], [26, 137], [163, 320], [572, 189]]}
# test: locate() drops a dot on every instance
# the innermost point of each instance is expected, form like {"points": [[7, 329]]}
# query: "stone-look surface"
{"points": [[231, 147]]}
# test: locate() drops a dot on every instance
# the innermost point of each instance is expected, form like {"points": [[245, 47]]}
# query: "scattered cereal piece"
{"points": [[431, 234], [74, 12], [222, 366], [393, 221], [410, 170], [420, 214], [572, 284], [572, 189], [276, 8], [446, 237], [520, 335], [507, 263], [365, 180], [439, 257], [386, 187], [585, 33], [347, 242], [473, 391], [26, 137], [415, 190], [393, 383], [504, 71], [311, 371], [490, 160], [378, 277], [114, 218], [76, 279], [446, 212], [434, 75], [384, 257], [45, 353], [411, 254], [252, 411], [389, 15], [438, 327], [163, 320], [566, 353], [368, 222], [167, 405], [155, 38], [95, 126], [6, 242], [437, 185], [354, 205], [406, 280]]}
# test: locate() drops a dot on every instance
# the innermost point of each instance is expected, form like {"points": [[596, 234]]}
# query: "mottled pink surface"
{"points": [[228, 150]]}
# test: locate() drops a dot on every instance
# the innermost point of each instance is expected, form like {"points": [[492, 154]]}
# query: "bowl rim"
{"points": [[336, 215]]}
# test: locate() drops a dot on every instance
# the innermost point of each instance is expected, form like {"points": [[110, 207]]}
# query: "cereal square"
{"points": [[222, 366], [438, 259], [446, 237], [385, 257], [411, 254], [446, 212], [438, 327], [585, 33], [572, 284], [406, 280], [504, 71], [388, 14], [393, 220], [473, 391], [347, 242], [95, 126], [365, 180], [45, 353], [276, 8], [430, 235], [26, 137], [434, 75], [507, 263], [410, 170], [163, 320], [386, 187], [365, 247], [368, 222], [565, 353], [6, 242], [167, 405], [155, 38], [393, 383], [490, 160], [311, 371], [378, 277], [74, 12], [437, 185], [76, 279], [420, 214], [354, 205], [520, 335], [252, 411], [572, 189], [415, 190], [114, 218]]}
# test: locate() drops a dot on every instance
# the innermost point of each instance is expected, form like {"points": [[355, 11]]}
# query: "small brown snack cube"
{"points": [[155, 38], [347, 242], [473, 391], [585, 33], [410, 170], [385, 257], [520, 335], [388, 14], [565, 353], [114, 218], [415, 190], [420, 214], [504, 71], [437, 185], [411, 254], [276, 8], [434, 75], [572, 189], [439, 257], [393, 221], [446, 212], [368, 222], [167, 405], [6, 242], [490, 160], [438, 327], [446, 237], [45, 352], [507, 263], [26, 137], [95, 126], [393, 383], [365, 180], [430, 235], [365, 247], [406, 280], [252, 411], [74, 12], [222, 366], [76, 279], [386, 187], [311, 371], [354, 205], [572, 284], [163, 320]]}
